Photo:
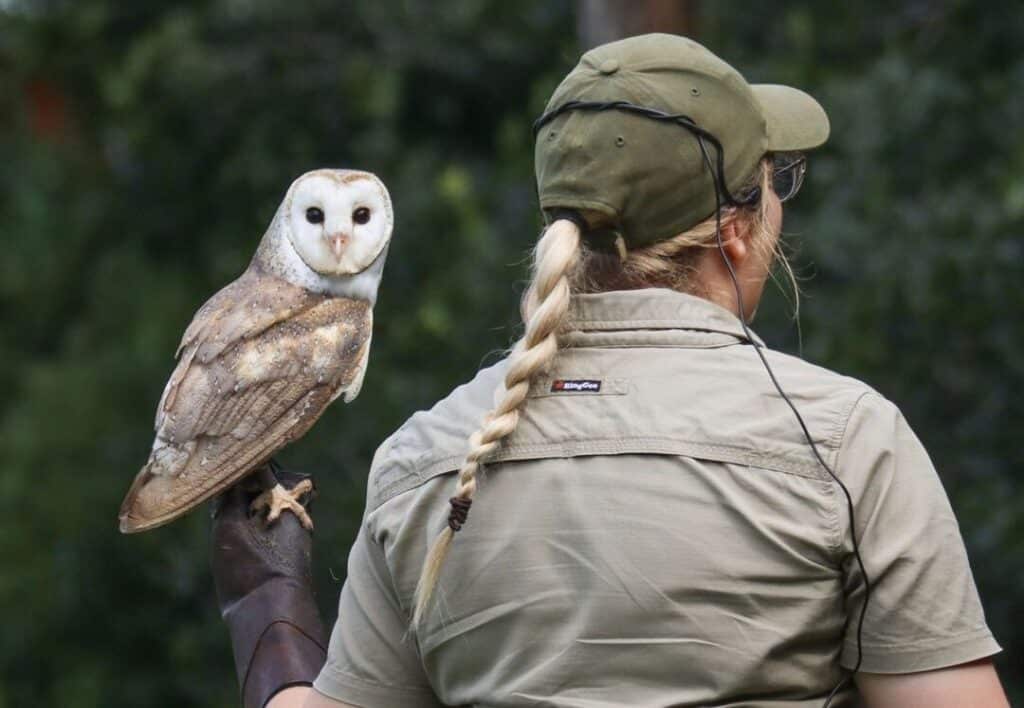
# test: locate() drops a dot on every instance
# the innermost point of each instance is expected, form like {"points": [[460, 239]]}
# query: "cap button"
{"points": [[608, 66]]}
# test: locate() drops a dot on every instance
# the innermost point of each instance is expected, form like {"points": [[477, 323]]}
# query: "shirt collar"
{"points": [[653, 309]]}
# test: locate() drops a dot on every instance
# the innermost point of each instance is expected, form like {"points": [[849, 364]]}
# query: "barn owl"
{"points": [[264, 357]]}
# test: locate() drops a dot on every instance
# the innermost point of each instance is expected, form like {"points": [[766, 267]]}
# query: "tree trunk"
{"points": [[600, 21]]}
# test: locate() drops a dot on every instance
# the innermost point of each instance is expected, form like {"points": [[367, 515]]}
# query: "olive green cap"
{"points": [[649, 176]]}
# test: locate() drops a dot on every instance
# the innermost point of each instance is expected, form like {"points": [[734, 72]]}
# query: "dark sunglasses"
{"points": [[788, 170]]}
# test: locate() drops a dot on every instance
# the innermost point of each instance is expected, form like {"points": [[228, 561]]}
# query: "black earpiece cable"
{"points": [[803, 426], [721, 189], [653, 113]]}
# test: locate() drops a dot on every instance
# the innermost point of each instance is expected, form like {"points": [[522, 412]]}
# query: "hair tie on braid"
{"points": [[573, 216], [459, 512]]}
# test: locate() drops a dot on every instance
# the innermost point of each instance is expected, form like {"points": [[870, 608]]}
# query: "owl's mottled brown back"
{"points": [[263, 362]]}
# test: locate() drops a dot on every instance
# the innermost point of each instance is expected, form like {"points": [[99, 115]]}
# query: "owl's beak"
{"points": [[338, 243]]}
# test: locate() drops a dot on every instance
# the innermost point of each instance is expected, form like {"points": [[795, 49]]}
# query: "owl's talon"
{"points": [[278, 499]]}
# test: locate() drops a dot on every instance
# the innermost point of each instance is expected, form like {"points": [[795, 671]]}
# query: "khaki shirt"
{"points": [[656, 532]]}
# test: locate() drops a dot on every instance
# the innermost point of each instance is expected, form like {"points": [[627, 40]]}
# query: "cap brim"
{"points": [[795, 121]]}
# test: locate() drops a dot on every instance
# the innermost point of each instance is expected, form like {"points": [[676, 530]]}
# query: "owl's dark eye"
{"points": [[315, 215], [361, 215]]}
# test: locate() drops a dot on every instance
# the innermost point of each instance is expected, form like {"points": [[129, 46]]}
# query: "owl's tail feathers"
{"points": [[148, 503]]}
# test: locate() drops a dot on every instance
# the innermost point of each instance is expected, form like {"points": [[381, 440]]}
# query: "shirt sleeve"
{"points": [[372, 662], [924, 611]]}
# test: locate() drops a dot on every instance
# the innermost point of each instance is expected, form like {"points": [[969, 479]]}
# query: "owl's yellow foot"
{"points": [[277, 499]]}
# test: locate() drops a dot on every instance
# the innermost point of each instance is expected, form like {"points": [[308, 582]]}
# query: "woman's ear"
{"points": [[735, 233]]}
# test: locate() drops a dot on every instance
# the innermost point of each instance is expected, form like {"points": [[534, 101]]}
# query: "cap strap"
{"points": [[607, 241]]}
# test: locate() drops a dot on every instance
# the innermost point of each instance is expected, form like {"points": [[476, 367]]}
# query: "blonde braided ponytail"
{"points": [[545, 305]]}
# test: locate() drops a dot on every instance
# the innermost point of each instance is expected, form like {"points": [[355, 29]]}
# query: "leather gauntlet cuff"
{"points": [[278, 639]]}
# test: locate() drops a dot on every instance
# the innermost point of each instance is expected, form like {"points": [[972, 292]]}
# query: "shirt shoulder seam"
{"points": [[836, 444]]}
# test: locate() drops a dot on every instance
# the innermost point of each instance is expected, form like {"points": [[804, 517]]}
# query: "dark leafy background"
{"points": [[144, 147]]}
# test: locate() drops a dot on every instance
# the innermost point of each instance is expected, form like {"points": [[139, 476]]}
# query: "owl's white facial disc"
{"points": [[338, 220]]}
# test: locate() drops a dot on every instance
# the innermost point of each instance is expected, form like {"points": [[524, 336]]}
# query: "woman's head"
{"points": [[653, 158], [691, 261], [653, 132]]}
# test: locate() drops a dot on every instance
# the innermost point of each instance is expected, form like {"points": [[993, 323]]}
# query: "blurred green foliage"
{"points": [[145, 146]]}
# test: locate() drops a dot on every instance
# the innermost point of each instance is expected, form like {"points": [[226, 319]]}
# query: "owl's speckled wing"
{"points": [[258, 365]]}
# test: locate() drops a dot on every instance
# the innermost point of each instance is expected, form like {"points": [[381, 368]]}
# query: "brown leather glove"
{"points": [[265, 591]]}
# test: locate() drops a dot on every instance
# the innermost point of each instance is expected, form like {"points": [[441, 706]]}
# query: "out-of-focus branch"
{"points": [[600, 21]]}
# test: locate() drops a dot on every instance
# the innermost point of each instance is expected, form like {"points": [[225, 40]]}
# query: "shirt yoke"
{"points": [[709, 402]]}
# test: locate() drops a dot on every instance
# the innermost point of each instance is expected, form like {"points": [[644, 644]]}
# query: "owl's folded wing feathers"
{"points": [[243, 309], [258, 365]]}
